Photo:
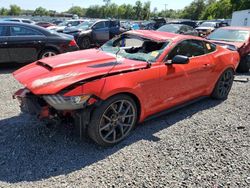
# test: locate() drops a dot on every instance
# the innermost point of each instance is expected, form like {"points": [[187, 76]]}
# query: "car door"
{"points": [[4, 52], [25, 43], [180, 83], [100, 32]]}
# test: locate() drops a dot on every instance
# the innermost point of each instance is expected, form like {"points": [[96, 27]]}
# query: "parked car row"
{"points": [[91, 33]]}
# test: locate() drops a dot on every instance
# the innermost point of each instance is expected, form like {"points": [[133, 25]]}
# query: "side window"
{"points": [[189, 48], [26, 21], [22, 31], [189, 29], [108, 24], [75, 23], [14, 20], [99, 25], [3, 31], [210, 47], [184, 28], [114, 23]]}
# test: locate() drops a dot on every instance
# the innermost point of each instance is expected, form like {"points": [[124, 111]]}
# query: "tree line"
{"points": [[197, 10]]}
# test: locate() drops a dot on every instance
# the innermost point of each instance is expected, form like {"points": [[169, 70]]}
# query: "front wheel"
{"points": [[223, 85], [113, 120], [47, 53], [85, 43]]}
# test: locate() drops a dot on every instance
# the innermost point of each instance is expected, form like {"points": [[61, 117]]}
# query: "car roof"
{"points": [[236, 28], [74, 20], [9, 23], [176, 24], [161, 36]]}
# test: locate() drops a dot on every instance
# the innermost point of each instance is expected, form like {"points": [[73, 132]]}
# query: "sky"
{"points": [[63, 5]]}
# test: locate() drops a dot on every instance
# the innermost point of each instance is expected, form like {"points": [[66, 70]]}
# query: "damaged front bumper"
{"points": [[41, 108]]}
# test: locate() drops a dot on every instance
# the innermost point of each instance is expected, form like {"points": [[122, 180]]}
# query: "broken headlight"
{"points": [[61, 102]]}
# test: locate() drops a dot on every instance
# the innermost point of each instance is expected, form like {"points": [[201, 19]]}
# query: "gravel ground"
{"points": [[204, 145]]}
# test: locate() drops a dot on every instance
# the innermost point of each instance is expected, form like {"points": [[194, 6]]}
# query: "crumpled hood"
{"points": [[51, 75]]}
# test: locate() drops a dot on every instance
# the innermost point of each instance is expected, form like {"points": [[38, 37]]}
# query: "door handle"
{"points": [[4, 43], [37, 42]]}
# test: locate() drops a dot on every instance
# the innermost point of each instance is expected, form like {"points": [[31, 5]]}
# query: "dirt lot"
{"points": [[204, 145]]}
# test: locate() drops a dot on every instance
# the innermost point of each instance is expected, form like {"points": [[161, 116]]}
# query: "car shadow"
{"points": [[7, 68], [31, 152]]}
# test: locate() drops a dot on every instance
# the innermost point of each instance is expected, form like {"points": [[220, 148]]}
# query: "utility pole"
{"points": [[166, 10]]}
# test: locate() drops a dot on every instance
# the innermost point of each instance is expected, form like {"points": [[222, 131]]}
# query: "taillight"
{"points": [[72, 43]]}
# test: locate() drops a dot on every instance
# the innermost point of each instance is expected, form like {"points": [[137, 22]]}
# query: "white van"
{"points": [[241, 18]]}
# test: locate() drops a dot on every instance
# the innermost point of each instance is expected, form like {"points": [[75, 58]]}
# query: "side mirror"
{"points": [[178, 59]]}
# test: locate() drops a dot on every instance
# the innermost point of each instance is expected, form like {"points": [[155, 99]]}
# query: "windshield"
{"points": [[135, 48], [229, 35], [169, 28], [208, 24], [64, 23], [85, 25]]}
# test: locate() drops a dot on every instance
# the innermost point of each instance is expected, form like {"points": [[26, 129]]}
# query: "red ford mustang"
{"points": [[106, 91]]}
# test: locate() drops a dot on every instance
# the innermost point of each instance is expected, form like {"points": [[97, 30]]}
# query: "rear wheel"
{"points": [[223, 85], [85, 43], [113, 120], [47, 53]]}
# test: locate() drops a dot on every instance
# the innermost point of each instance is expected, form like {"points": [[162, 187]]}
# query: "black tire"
{"points": [[108, 127], [85, 43], [47, 51], [243, 66], [223, 85]]}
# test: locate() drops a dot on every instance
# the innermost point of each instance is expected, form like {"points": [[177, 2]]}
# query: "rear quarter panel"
{"points": [[223, 59]]}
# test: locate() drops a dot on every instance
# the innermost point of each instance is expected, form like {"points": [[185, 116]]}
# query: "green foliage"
{"points": [[194, 10], [40, 11], [77, 10], [4, 11], [240, 4], [15, 10], [218, 9]]}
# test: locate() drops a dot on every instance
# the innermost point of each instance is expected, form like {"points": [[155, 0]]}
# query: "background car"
{"points": [[25, 43], [21, 20], [105, 92], [190, 23], [179, 29], [92, 33], [44, 24], [153, 24], [234, 38], [67, 23], [208, 27], [57, 22]]}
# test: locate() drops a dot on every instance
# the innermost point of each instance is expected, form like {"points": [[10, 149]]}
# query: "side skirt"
{"points": [[174, 108]]}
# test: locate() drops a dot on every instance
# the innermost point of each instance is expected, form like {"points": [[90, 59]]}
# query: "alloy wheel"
{"points": [[117, 121], [225, 83], [48, 54]]}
